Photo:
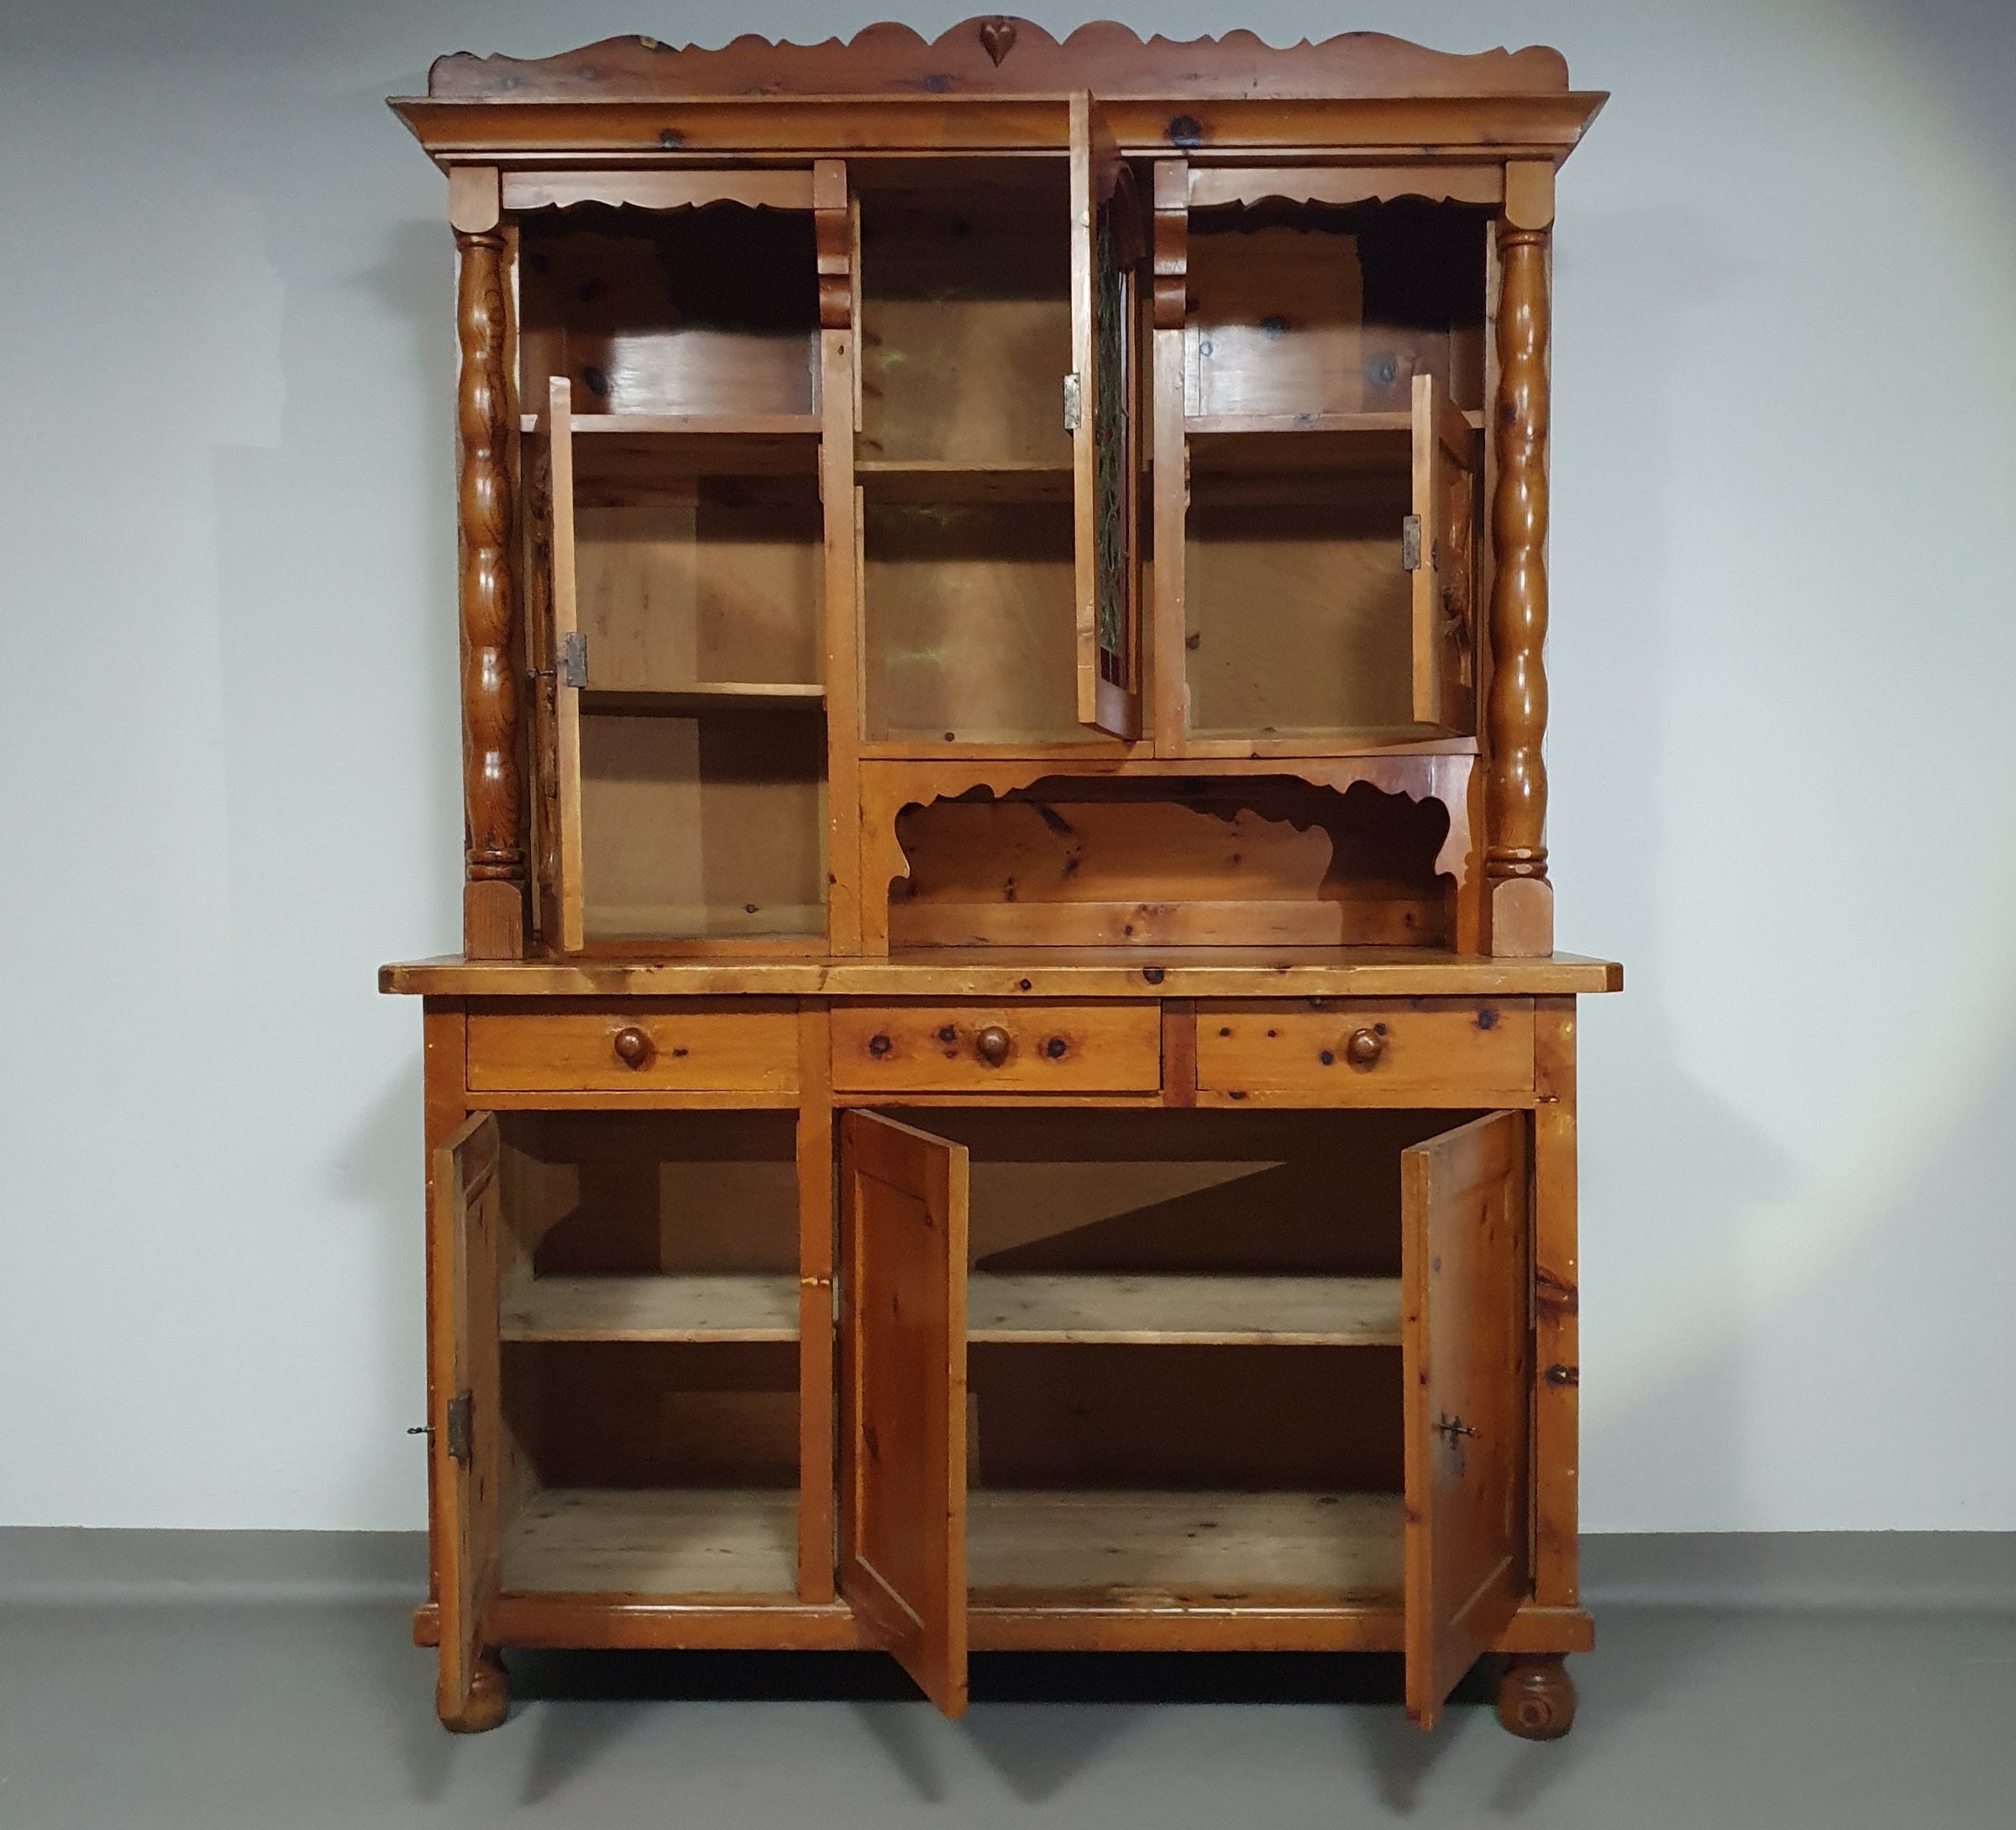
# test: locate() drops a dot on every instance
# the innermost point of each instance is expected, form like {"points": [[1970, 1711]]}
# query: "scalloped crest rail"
{"points": [[1002, 587], [1000, 56]]}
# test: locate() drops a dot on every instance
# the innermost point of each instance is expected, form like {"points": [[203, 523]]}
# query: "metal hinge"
{"points": [[1410, 543], [573, 659], [1074, 401], [461, 1409]]}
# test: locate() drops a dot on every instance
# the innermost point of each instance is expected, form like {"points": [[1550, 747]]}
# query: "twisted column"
{"points": [[493, 797], [1515, 859]]}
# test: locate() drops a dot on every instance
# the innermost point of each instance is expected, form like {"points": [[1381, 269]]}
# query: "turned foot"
{"points": [[486, 1704], [1537, 1697]]}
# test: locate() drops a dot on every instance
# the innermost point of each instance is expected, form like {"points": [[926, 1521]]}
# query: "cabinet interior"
{"points": [[709, 311], [648, 1300], [1184, 1369]]}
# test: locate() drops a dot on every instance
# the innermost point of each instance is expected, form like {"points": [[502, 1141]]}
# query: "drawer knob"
{"points": [[991, 1045], [1364, 1047], [634, 1047]]}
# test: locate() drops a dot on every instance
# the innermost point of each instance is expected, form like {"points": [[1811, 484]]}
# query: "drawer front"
{"points": [[1375, 1051], [997, 1048], [643, 1044]]}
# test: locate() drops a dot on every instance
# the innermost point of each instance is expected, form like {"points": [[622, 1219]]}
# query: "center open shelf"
{"points": [[1151, 1310]]}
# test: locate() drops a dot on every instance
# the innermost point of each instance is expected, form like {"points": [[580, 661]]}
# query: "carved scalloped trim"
{"points": [[1104, 57], [1387, 775]]}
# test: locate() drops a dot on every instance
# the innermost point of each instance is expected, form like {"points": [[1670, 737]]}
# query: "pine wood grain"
{"points": [[1148, 1547], [687, 1542], [694, 1306], [1149, 1311]]}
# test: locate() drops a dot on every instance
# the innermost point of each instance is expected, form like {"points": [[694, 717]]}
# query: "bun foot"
{"points": [[486, 1704], [1537, 1697]]}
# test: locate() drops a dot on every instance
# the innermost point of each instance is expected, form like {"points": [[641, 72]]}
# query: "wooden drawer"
{"points": [[997, 1048], [1439, 1051], [747, 1045]]}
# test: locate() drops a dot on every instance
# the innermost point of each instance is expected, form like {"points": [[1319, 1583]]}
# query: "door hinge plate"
{"points": [[461, 1410], [1410, 543], [573, 660], [1074, 401]]}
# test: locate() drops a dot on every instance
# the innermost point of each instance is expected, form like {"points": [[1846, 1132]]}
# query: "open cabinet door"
{"points": [[464, 1357], [1440, 550], [1465, 1361], [1108, 242], [903, 1397], [569, 664]]}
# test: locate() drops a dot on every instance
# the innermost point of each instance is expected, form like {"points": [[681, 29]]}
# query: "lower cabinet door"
{"points": [[467, 1205], [903, 1230], [1467, 1377]]}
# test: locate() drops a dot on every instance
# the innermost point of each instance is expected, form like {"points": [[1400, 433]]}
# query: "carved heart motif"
{"points": [[997, 37]]}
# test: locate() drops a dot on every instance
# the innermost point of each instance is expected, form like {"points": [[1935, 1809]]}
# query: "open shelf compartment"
{"points": [[649, 1318]]}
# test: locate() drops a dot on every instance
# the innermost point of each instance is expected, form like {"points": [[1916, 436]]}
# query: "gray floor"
{"points": [[290, 1716]]}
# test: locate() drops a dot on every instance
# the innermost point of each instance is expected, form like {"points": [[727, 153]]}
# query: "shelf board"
{"points": [[698, 425], [1237, 425], [643, 1541], [954, 479], [706, 1307], [1145, 1311], [706, 695], [1144, 1548]]}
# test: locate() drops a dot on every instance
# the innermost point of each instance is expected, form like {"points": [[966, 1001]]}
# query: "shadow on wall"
{"points": [[1670, 1172]]}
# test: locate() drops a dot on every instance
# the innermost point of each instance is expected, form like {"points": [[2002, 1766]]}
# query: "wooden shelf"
{"points": [[718, 1306], [951, 480], [1184, 1310], [703, 425], [710, 696], [1145, 1547], [1245, 425], [682, 1541]]}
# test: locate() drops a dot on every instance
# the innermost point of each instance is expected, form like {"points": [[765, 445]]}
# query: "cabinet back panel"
{"points": [[1274, 327], [710, 311], [1299, 613], [591, 1193], [700, 579], [1253, 1419], [1311, 310], [1264, 1192], [971, 629], [703, 826], [966, 322], [624, 1414]]}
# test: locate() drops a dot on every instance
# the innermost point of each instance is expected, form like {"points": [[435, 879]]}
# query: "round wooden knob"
{"points": [[634, 1047], [991, 1045], [1364, 1047]]}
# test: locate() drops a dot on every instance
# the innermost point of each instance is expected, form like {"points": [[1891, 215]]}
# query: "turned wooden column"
{"points": [[493, 895], [1515, 858]]}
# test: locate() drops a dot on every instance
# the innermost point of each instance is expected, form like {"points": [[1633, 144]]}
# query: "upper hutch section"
{"points": [[997, 491]]}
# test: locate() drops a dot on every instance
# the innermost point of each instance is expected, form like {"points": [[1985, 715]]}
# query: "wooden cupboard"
{"points": [[1008, 1084]]}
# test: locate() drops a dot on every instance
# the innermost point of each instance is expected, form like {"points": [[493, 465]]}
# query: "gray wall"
{"points": [[1785, 480]]}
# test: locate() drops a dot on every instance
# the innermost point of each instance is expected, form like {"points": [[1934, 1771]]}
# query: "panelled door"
{"points": [[903, 1208], [467, 1199], [1441, 551], [569, 664], [1465, 1360], [1109, 242]]}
